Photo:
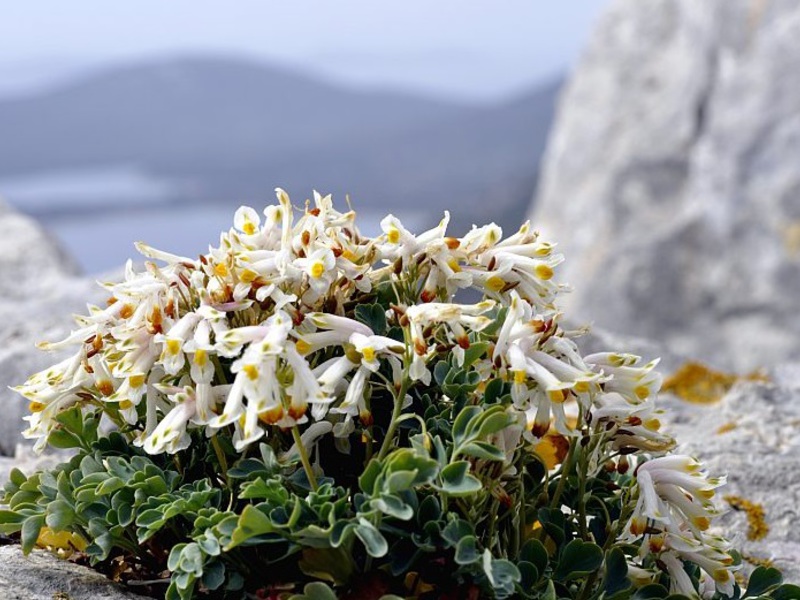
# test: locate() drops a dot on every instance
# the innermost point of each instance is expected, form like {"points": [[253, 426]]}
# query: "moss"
{"points": [[756, 517]]}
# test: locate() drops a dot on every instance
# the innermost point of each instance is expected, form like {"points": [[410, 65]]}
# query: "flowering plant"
{"points": [[307, 405]]}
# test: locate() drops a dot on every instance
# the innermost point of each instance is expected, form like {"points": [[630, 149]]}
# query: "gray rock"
{"points": [[670, 180], [39, 291], [41, 576], [761, 456]]}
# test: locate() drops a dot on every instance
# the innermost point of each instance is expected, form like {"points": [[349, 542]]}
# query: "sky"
{"points": [[465, 49]]}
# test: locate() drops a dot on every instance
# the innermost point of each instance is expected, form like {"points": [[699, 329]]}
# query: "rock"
{"points": [[39, 290], [753, 435], [41, 576], [670, 181]]}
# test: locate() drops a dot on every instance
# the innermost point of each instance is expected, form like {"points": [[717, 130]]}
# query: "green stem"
{"points": [[221, 458], [581, 493], [393, 424], [301, 449], [565, 469]]}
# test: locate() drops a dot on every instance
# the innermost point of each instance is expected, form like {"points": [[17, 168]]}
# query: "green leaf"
{"points": [[367, 479], [112, 484], [616, 579], [467, 551], [762, 581], [60, 515], [534, 552], [455, 530], [63, 440], [440, 371], [457, 481], [252, 522], [460, 425], [493, 391], [483, 450], [393, 506], [373, 316], [330, 564], [315, 591], [213, 575], [651, 591], [787, 591], [475, 351], [578, 558], [493, 420], [372, 539], [30, 532]]}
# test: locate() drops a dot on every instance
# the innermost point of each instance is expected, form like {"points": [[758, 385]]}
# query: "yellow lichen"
{"points": [[757, 527], [758, 562], [729, 426], [696, 383]]}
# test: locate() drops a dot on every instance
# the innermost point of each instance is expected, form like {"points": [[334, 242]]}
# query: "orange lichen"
{"points": [[757, 527], [696, 383], [729, 426]]}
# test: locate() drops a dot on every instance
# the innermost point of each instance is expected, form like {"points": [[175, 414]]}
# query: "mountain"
{"points": [[228, 131]]}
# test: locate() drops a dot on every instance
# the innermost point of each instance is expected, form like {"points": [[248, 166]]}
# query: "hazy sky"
{"points": [[478, 49]]}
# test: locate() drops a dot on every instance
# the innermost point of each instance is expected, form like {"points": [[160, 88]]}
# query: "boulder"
{"points": [[40, 289], [42, 576], [670, 180]]}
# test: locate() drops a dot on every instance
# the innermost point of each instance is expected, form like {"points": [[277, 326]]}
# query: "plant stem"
{"points": [[301, 449], [223, 461], [565, 469], [398, 409], [582, 462]]}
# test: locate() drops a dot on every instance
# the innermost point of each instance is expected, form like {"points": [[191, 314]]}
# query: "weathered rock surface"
{"points": [[752, 434], [671, 179], [39, 291], [41, 576], [759, 449]]}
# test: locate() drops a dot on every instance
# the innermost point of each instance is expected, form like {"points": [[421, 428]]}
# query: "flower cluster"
{"points": [[303, 325]]}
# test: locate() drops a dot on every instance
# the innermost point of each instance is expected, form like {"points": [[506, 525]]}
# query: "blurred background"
{"points": [[155, 121], [657, 142]]}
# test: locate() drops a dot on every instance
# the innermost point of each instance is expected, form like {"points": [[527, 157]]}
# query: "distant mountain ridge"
{"points": [[236, 129]]}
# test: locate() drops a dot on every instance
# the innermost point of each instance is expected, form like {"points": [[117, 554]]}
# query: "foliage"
{"points": [[306, 413]]}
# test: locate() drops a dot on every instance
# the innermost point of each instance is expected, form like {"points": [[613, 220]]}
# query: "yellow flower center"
{"points": [[201, 358], [247, 276], [303, 347], [173, 346], [368, 353], [251, 371], [520, 376], [125, 405], [581, 387], [652, 424], [221, 269], [317, 270], [136, 381], [453, 264], [249, 227], [642, 392], [393, 235], [557, 396], [35, 407], [543, 272], [495, 283]]}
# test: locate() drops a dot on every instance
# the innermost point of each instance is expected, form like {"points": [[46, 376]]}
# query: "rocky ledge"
{"points": [[41, 576]]}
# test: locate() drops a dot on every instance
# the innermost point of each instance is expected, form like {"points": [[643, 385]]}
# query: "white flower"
{"points": [[320, 268], [170, 435]]}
